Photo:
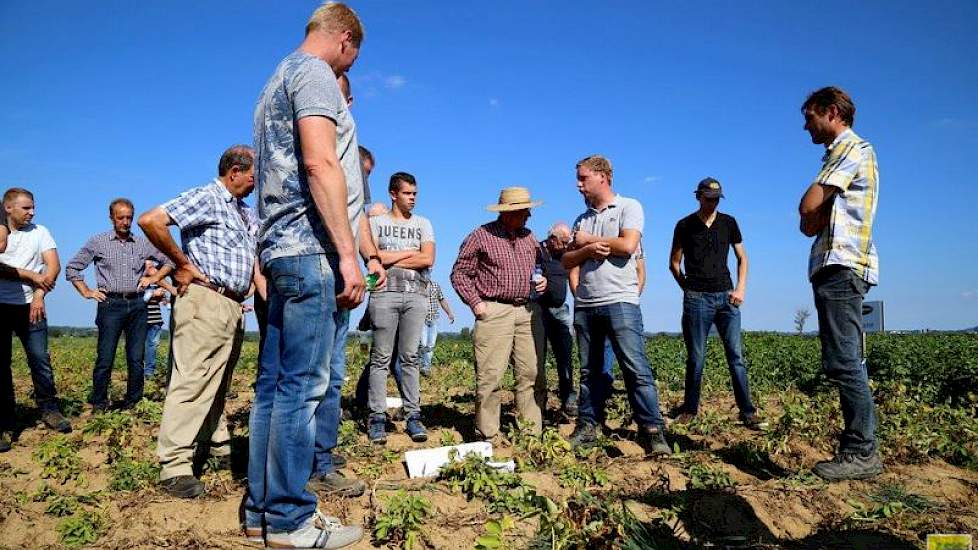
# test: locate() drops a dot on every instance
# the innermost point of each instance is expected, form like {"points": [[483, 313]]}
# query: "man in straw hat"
{"points": [[606, 307], [495, 274]]}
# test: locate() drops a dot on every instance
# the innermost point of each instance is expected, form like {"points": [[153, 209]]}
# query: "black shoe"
{"points": [[569, 408], [585, 435], [183, 486], [847, 465], [653, 440], [675, 412], [56, 421], [100, 408], [339, 461], [335, 483], [5, 442]]}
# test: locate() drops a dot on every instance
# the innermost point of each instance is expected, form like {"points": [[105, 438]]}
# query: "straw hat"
{"points": [[514, 198]]}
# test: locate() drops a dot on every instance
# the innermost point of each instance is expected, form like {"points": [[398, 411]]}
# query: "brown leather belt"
{"points": [[223, 291]]}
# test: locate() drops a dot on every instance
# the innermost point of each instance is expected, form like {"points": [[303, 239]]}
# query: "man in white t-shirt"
{"points": [[31, 268]]}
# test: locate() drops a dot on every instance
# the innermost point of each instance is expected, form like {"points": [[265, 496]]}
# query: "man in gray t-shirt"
{"points": [[606, 306], [407, 249]]}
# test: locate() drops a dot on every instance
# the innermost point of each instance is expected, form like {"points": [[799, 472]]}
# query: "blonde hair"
{"points": [[336, 17], [597, 163]]}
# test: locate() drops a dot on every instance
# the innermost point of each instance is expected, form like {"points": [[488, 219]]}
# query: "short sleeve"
{"points": [[427, 232], [735, 236], [677, 235], [632, 216], [191, 208], [45, 240], [577, 223], [314, 91], [841, 165]]}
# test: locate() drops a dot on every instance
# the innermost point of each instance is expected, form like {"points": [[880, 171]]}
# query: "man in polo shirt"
{"points": [[494, 275], [838, 210], [310, 201], [120, 275], [407, 249], [32, 266], [213, 275], [606, 306], [558, 327], [701, 242]]}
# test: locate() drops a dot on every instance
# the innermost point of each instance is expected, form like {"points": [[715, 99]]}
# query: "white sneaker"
{"points": [[318, 531]]}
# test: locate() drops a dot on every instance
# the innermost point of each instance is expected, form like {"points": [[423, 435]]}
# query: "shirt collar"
{"points": [[113, 236], [845, 135], [612, 204], [222, 190]]}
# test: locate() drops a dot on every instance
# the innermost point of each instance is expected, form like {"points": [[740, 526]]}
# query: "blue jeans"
{"points": [[328, 412], [15, 320], [293, 379], [426, 352], [114, 316], [558, 329], [700, 311], [621, 323], [839, 303], [152, 342]]}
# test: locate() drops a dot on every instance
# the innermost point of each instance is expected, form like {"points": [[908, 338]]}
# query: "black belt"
{"points": [[513, 302], [124, 295], [222, 290]]}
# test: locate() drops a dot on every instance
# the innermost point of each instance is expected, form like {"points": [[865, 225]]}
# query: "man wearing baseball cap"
{"points": [[702, 242], [492, 275]]}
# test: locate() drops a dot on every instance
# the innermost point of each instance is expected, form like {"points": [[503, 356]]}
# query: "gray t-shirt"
{"points": [[392, 234], [302, 85], [614, 279]]}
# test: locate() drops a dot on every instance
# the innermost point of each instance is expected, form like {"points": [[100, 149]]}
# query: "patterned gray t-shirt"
{"points": [[392, 234], [302, 85]]}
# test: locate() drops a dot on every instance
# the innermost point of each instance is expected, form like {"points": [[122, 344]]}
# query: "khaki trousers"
{"points": [[206, 342], [509, 335]]}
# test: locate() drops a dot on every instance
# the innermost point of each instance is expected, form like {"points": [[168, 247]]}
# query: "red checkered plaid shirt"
{"points": [[494, 265]]}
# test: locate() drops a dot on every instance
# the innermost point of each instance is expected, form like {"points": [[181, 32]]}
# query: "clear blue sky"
{"points": [[109, 98]]}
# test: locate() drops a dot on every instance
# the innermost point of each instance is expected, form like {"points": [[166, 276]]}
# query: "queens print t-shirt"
{"points": [[394, 234]]}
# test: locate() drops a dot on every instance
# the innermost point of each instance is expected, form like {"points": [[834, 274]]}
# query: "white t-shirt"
{"points": [[24, 249]]}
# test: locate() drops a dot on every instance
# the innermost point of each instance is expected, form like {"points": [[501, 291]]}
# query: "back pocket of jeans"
{"points": [[288, 285]]}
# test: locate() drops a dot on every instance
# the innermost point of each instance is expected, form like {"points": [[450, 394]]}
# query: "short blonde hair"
{"points": [[597, 163], [336, 17]]}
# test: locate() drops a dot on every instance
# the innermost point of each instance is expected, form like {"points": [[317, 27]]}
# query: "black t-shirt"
{"points": [[705, 251]]}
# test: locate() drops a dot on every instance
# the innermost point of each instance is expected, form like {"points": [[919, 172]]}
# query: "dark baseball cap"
{"points": [[709, 188]]}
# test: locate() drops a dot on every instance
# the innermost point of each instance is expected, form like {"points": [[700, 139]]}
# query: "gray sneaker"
{"points": [[318, 531], [847, 465], [335, 483]]}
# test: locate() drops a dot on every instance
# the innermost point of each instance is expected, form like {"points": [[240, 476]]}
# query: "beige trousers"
{"points": [[206, 339], [508, 335]]}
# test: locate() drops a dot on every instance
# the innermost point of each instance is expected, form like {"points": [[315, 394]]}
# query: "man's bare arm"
{"points": [[675, 265], [424, 258], [624, 244], [814, 208]]}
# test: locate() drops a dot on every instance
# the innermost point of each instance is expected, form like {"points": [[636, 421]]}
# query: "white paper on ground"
{"points": [[427, 462], [508, 466], [394, 403]]}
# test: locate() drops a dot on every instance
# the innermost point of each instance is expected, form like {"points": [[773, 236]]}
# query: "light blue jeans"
{"points": [[429, 335], [293, 378], [152, 342]]}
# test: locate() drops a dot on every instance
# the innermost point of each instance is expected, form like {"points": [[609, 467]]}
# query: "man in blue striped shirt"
{"points": [[214, 273], [120, 263]]}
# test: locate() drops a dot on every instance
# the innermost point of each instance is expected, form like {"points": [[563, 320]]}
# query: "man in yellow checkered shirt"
{"points": [[838, 210]]}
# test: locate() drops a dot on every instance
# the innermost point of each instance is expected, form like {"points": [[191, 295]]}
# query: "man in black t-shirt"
{"points": [[558, 326], [702, 241]]}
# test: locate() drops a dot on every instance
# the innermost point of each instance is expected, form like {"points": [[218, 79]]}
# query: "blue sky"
{"points": [[101, 99]]}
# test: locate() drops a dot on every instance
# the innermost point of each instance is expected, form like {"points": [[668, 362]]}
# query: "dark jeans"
{"points": [[621, 323], [558, 327], [700, 311], [15, 319], [115, 316], [839, 303]]}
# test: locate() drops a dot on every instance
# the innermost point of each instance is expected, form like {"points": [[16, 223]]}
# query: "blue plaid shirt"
{"points": [[218, 234]]}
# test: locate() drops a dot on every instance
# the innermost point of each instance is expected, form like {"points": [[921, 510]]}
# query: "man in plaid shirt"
{"points": [[214, 273], [492, 275], [838, 210]]}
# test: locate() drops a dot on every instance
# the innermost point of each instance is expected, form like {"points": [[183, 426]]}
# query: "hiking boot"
{"points": [[416, 430], [183, 486], [56, 421], [318, 531], [653, 440], [377, 429], [585, 435], [335, 483], [753, 421], [5, 444], [849, 465]]}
